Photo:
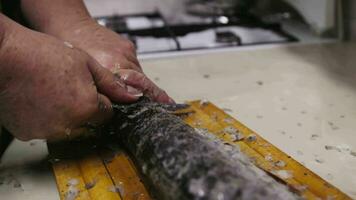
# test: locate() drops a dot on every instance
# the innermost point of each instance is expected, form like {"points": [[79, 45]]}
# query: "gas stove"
{"points": [[153, 33]]}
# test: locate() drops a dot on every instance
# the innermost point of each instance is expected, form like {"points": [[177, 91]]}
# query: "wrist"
{"points": [[78, 33], [67, 27], [55, 17], [74, 29]]}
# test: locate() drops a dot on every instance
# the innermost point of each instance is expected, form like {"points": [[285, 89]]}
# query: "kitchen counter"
{"points": [[301, 98]]}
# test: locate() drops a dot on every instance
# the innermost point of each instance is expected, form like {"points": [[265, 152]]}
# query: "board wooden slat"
{"points": [[120, 173], [84, 178], [64, 173], [126, 177], [97, 179]]}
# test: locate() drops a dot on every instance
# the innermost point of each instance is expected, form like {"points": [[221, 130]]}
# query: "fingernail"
{"points": [[124, 77], [119, 81], [68, 44], [116, 69], [133, 91]]}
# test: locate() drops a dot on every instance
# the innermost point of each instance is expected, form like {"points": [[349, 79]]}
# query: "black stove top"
{"points": [[151, 33]]}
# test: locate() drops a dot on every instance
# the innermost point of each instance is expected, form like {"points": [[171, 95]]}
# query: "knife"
{"points": [[5, 140]]}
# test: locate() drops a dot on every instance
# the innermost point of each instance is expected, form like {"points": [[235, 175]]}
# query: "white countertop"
{"points": [[300, 98]]}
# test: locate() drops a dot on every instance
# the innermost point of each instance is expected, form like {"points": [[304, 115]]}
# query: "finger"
{"points": [[141, 82], [133, 59], [104, 111], [110, 85], [126, 64]]}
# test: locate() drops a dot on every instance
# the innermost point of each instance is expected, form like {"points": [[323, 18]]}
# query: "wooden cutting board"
{"points": [[109, 173]]}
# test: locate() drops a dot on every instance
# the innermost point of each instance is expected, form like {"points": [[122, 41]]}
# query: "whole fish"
{"points": [[179, 162]]}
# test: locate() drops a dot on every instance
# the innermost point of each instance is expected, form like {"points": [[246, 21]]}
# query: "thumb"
{"points": [[143, 83], [111, 85]]}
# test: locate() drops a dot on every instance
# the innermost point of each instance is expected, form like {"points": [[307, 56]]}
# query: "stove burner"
{"points": [[228, 37]]}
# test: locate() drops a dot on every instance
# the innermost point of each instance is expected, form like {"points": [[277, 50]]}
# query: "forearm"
{"points": [[55, 16], [2, 38], [5, 137], [6, 27], [13, 39], [3, 26]]}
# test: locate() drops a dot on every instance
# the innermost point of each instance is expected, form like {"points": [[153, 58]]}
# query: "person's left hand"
{"points": [[109, 48], [115, 53]]}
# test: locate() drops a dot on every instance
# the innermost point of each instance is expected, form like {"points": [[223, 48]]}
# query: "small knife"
{"points": [[5, 140]]}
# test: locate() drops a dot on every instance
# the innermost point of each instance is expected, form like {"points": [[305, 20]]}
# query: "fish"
{"points": [[179, 162]]}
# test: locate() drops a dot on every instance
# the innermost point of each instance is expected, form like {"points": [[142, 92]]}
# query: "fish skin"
{"points": [[178, 163]]}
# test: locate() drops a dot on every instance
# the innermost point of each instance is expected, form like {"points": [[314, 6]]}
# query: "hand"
{"points": [[113, 52], [110, 49], [48, 89]]}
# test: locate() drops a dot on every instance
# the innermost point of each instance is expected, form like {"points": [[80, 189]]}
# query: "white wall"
{"points": [[320, 14]]}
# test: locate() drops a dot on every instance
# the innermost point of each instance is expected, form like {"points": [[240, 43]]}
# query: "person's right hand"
{"points": [[48, 89], [113, 52]]}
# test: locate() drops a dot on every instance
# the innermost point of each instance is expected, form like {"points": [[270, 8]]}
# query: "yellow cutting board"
{"points": [[110, 174]]}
